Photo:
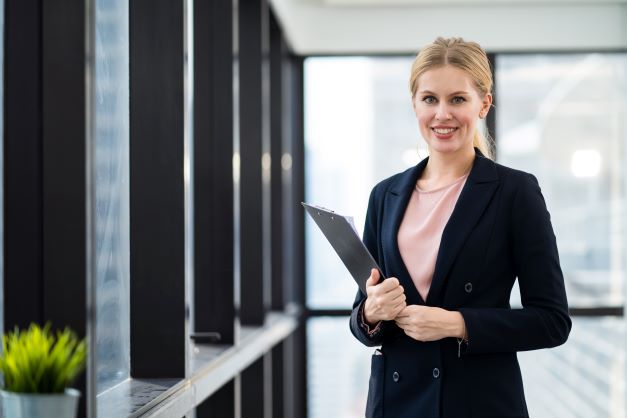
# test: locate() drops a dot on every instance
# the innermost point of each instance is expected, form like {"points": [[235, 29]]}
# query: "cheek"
{"points": [[468, 120], [422, 117]]}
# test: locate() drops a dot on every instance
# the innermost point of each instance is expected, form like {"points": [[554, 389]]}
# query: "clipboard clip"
{"points": [[319, 207]]}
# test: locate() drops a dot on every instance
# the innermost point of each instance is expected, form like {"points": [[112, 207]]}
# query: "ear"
{"points": [[485, 105]]}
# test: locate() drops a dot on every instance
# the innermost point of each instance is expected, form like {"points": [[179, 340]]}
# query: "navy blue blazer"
{"points": [[500, 229]]}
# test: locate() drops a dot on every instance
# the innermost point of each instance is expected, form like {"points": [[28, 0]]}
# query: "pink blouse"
{"points": [[421, 230]]}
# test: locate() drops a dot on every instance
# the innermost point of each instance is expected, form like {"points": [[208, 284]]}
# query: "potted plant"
{"points": [[38, 368]]}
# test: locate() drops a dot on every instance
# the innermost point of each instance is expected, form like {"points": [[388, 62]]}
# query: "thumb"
{"points": [[374, 278]]}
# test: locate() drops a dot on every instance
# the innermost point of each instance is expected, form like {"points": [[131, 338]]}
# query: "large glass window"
{"points": [[338, 370], [112, 192], [562, 118], [359, 129]]}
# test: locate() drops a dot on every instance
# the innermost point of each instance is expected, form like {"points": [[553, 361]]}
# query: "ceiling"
{"points": [[330, 27]]}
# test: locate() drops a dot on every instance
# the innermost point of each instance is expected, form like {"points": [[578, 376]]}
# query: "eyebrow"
{"points": [[456, 93]]}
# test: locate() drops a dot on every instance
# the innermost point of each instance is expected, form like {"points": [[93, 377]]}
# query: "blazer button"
{"points": [[468, 287], [436, 373], [396, 377]]}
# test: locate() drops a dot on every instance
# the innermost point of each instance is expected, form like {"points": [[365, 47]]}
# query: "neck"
{"points": [[449, 165]]}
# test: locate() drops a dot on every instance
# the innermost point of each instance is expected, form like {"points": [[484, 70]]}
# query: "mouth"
{"points": [[443, 131]]}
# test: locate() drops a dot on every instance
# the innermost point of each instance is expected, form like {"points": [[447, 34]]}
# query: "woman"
{"points": [[451, 235]]}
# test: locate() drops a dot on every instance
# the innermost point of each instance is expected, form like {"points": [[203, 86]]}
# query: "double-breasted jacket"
{"points": [[499, 230]]}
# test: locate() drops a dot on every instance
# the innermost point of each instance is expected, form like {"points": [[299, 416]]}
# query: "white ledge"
{"points": [[212, 365]]}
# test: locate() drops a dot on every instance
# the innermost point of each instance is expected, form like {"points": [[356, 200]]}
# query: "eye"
{"points": [[458, 100], [428, 99]]}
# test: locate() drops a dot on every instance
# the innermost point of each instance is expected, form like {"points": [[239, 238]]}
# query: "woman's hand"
{"points": [[384, 300], [426, 323]]}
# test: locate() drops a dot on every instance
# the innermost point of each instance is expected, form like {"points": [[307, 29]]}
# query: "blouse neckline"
{"points": [[419, 190]]}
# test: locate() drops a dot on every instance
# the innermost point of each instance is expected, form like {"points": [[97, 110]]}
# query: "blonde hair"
{"points": [[467, 56]]}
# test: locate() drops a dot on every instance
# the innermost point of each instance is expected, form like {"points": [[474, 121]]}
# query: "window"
{"points": [[562, 118], [338, 370], [359, 129], [112, 191]]}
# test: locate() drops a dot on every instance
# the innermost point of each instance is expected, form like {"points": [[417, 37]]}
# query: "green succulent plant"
{"points": [[35, 361]]}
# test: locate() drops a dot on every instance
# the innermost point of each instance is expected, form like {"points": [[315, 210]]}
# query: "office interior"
{"points": [[155, 154]]}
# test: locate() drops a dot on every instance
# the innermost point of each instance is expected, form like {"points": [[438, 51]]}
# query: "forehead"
{"points": [[443, 80]]}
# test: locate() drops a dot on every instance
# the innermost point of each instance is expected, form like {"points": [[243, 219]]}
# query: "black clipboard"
{"points": [[342, 236]]}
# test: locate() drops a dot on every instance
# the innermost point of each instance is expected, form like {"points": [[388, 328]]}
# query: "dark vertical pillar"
{"points": [[23, 168], [252, 29], [297, 151], [213, 168], [63, 161], [63, 168], [219, 405], [298, 178], [156, 189], [278, 370], [253, 130], [45, 193], [277, 51], [252, 389], [213, 184], [294, 234]]}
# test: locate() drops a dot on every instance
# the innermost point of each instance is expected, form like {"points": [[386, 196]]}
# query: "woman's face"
{"points": [[447, 105]]}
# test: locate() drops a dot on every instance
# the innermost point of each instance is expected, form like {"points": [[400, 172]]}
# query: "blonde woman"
{"points": [[451, 235]]}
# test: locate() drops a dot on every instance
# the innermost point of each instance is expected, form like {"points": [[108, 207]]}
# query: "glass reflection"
{"points": [[112, 192]]}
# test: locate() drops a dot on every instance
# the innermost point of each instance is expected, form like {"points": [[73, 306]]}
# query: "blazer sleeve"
{"points": [[543, 321], [370, 239]]}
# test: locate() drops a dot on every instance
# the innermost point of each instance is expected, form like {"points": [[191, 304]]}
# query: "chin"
{"points": [[444, 147], [448, 146]]}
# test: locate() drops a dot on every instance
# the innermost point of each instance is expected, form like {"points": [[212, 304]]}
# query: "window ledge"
{"points": [[211, 366]]}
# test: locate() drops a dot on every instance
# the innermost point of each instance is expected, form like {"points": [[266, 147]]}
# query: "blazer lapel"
{"points": [[396, 200], [473, 199]]}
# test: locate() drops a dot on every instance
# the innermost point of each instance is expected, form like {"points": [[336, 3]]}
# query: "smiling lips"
{"points": [[442, 132]]}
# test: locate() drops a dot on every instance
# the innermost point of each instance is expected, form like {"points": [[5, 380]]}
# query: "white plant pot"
{"points": [[37, 405]]}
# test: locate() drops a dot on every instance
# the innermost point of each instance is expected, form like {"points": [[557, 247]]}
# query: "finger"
{"points": [[401, 322], [399, 300], [402, 307], [400, 311], [370, 281], [407, 309], [391, 294], [374, 276], [400, 317], [397, 294], [389, 284], [392, 298]]}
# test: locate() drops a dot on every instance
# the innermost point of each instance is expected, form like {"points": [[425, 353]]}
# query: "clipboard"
{"points": [[343, 237]]}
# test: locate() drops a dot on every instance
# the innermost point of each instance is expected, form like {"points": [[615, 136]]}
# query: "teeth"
{"points": [[443, 131]]}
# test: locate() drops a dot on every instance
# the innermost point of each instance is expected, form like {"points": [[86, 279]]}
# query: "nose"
{"points": [[442, 112]]}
